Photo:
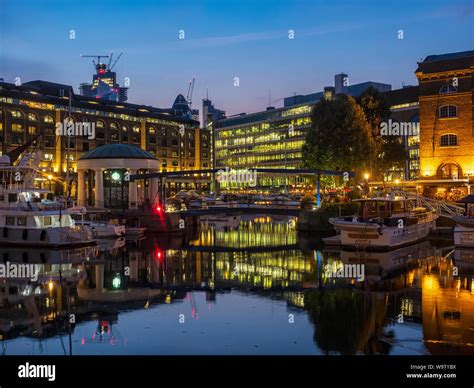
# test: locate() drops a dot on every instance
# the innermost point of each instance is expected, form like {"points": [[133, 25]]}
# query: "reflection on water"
{"points": [[253, 288]]}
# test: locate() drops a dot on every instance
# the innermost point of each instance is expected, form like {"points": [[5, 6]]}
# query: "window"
{"points": [[17, 114], [114, 136], [113, 126], [9, 220], [17, 128], [164, 143], [32, 130], [47, 221], [49, 142], [48, 119], [136, 129], [124, 128], [152, 130], [21, 221], [174, 142], [174, 133], [174, 154], [152, 140], [449, 140], [448, 111], [100, 135], [85, 146], [32, 117], [100, 124], [175, 163], [164, 153], [449, 171], [448, 88]]}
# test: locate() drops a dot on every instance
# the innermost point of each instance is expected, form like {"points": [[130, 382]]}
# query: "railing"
{"points": [[441, 207]]}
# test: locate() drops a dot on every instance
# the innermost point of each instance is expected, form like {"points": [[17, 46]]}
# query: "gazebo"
{"points": [[111, 166]]}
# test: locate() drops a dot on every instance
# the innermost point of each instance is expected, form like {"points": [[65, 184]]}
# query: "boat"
{"points": [[384, 223], [464, 229], [32, 217], [104, 229]]}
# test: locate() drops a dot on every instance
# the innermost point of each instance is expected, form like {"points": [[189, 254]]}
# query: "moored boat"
{"points": [[384, 223], [464, 229]]}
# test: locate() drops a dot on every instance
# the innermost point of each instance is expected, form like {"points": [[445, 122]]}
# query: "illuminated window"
{"points": [[136, 129], [449, 171], [17, 128], [100, 124], [17, 114], [448, 140], [152, 130], [448, 111], [113, 125], [48, 119], [32, 130], [32, 117]]}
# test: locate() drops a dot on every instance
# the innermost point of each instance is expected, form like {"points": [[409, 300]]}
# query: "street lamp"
{"points": [[366, 176]]}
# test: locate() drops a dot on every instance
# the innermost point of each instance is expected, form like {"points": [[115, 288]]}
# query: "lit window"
{"points": [[32, 117], [48, 119], [16, 114], [449, 140], [136, 129], [100, 124]]}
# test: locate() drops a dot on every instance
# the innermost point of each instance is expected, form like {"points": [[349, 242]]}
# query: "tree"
{"points": [[339, 138], [386, 151]]}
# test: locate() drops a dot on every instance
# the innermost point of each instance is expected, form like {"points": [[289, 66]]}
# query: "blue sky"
{"points": [[226, 39]]}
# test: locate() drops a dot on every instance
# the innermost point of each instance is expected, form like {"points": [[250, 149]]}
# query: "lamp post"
{"points": [[366, 177]]}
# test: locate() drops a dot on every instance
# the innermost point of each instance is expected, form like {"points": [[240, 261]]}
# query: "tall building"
{"points": [[274, 138], [104, 85], [404, 109], [38, 107], [446, 96]]}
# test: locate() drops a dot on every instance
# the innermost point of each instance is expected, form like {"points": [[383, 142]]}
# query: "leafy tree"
{"points": [[339, 138], [386, 151]]}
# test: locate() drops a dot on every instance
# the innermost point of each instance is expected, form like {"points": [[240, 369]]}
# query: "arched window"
{"points": [[152, 130], [449, 171], [113, 125], [32, 117], [17, 114], [48, 119], [100, 124], [448, 111], [448, 88], [448, 140]]}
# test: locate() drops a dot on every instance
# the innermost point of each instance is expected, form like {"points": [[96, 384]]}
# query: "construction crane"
{"points": [[189, 96], [115, 62], [95, 56]]}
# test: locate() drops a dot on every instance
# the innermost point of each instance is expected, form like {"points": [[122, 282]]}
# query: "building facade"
{"points": [[33, 111], [446, 97]]}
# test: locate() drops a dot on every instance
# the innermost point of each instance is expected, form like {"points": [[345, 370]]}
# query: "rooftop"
{"points": [[117, 151]]}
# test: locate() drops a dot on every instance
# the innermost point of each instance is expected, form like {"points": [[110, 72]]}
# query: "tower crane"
{"points": [[189, 96]]}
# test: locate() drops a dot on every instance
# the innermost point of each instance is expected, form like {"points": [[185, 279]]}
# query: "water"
{"points": [[251, 287]]}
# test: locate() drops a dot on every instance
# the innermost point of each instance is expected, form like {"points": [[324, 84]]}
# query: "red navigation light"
{"points": [[159, 254], [158, 209]]}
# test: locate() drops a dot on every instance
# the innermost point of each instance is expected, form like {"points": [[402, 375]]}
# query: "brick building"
{"points": [[446, 104]]}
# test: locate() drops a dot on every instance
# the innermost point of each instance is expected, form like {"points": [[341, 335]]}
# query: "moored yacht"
{"points": [[385, 223], [30, 217], [464, 229]]}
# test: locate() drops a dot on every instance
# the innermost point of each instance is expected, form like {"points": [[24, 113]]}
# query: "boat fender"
{"points": [[25, 234], [5, 232], [43, 235]]}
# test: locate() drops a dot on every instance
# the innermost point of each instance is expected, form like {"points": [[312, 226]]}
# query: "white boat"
{"points": [[464, 229], [385, 223], [29, 218], [103, 229]]}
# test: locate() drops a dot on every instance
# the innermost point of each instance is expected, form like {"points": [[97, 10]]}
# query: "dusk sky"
{"points": [[226, 39]]}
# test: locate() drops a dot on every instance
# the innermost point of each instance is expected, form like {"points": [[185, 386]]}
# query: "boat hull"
{"points": [[49, 237], [371, 236], [464, 236]]}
